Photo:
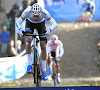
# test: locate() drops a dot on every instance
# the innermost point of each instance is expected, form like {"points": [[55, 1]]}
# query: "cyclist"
{"points": [[35, 17], [55, 45], [89, 12]]}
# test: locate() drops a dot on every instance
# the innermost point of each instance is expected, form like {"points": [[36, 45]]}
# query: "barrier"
{"points": [[12, 68], [69, 10]]}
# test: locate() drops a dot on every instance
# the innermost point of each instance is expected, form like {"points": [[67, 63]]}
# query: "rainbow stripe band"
{"points": [[49, 19], [22, 18]]}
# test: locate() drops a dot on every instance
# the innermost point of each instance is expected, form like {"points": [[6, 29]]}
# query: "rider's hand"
{"points": [[59, 57], [21, 32], [47, 32]]}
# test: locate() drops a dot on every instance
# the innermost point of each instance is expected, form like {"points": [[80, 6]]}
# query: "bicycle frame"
{"points": [[36, 64]]}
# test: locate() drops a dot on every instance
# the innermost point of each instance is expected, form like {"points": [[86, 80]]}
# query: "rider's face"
{"points": [[53, 42], [36, 17]]}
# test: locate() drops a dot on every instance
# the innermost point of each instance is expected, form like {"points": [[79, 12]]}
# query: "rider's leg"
{"points": [[28, 53], [57, 67], [49, 66], [44, 57], [43, 54], [48, 58], [49, 63], [58, 71]]}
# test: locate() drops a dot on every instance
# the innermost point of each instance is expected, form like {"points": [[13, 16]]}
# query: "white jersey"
{"points": [[57, 48], [27, 14]]}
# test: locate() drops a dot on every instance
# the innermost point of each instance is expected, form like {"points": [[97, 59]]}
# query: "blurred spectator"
{"points": [[5, 37], [26, 3], [98, 46], [7, 14], [11, 50], [5, 22], [12, 14], [19, 46], [33, 2]]}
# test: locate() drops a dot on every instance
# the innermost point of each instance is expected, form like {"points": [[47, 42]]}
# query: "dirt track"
{"points": [[81, 58]]}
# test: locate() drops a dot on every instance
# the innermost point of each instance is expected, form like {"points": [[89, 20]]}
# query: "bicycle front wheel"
{"points": [[37, 69], [39, 76], [35, 58]]}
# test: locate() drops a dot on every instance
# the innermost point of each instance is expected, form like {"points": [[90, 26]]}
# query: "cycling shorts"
{"points": [[39, 26], [54, 54]]}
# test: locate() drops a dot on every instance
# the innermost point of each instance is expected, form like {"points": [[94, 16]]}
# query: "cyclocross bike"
{"points": [[86, 18], [37, 70]]}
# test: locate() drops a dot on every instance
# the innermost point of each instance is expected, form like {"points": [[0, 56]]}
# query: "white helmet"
{"points": [[36, 9], [54, 37]]}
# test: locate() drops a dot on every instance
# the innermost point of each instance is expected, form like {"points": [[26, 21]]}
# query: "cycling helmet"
{"points": [[36, 9], [54, 37]]}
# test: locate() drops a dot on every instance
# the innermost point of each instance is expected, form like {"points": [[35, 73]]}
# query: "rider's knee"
{"points": [[28, 43], [58, 64], [43, 48]]}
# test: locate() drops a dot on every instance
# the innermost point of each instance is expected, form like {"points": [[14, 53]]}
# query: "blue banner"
{"points": [[57, 88], [12, 68], [83, 1], [68, 10]]}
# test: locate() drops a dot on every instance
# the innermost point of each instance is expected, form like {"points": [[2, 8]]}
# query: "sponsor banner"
{"points": [[69, 10], [83, 1]]}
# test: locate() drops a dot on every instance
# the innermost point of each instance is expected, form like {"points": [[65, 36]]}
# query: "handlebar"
{"points": [[33, 35]]}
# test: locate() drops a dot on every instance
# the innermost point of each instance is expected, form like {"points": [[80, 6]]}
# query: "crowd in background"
{"points": [[8, 29], [8, 25]]}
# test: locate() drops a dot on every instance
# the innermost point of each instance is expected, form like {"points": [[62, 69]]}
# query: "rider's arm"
{"points": [[48, 47], [18, 22], [61, 49], [53, 24], [82, 7], [50, 20]]}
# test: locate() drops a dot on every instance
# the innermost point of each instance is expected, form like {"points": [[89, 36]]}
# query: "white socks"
{"points": [[44, 65], [30, 62], [29, 59], [58, 74]]}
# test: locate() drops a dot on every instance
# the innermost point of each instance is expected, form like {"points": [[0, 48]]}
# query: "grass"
{"points": [[16, 84]]}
